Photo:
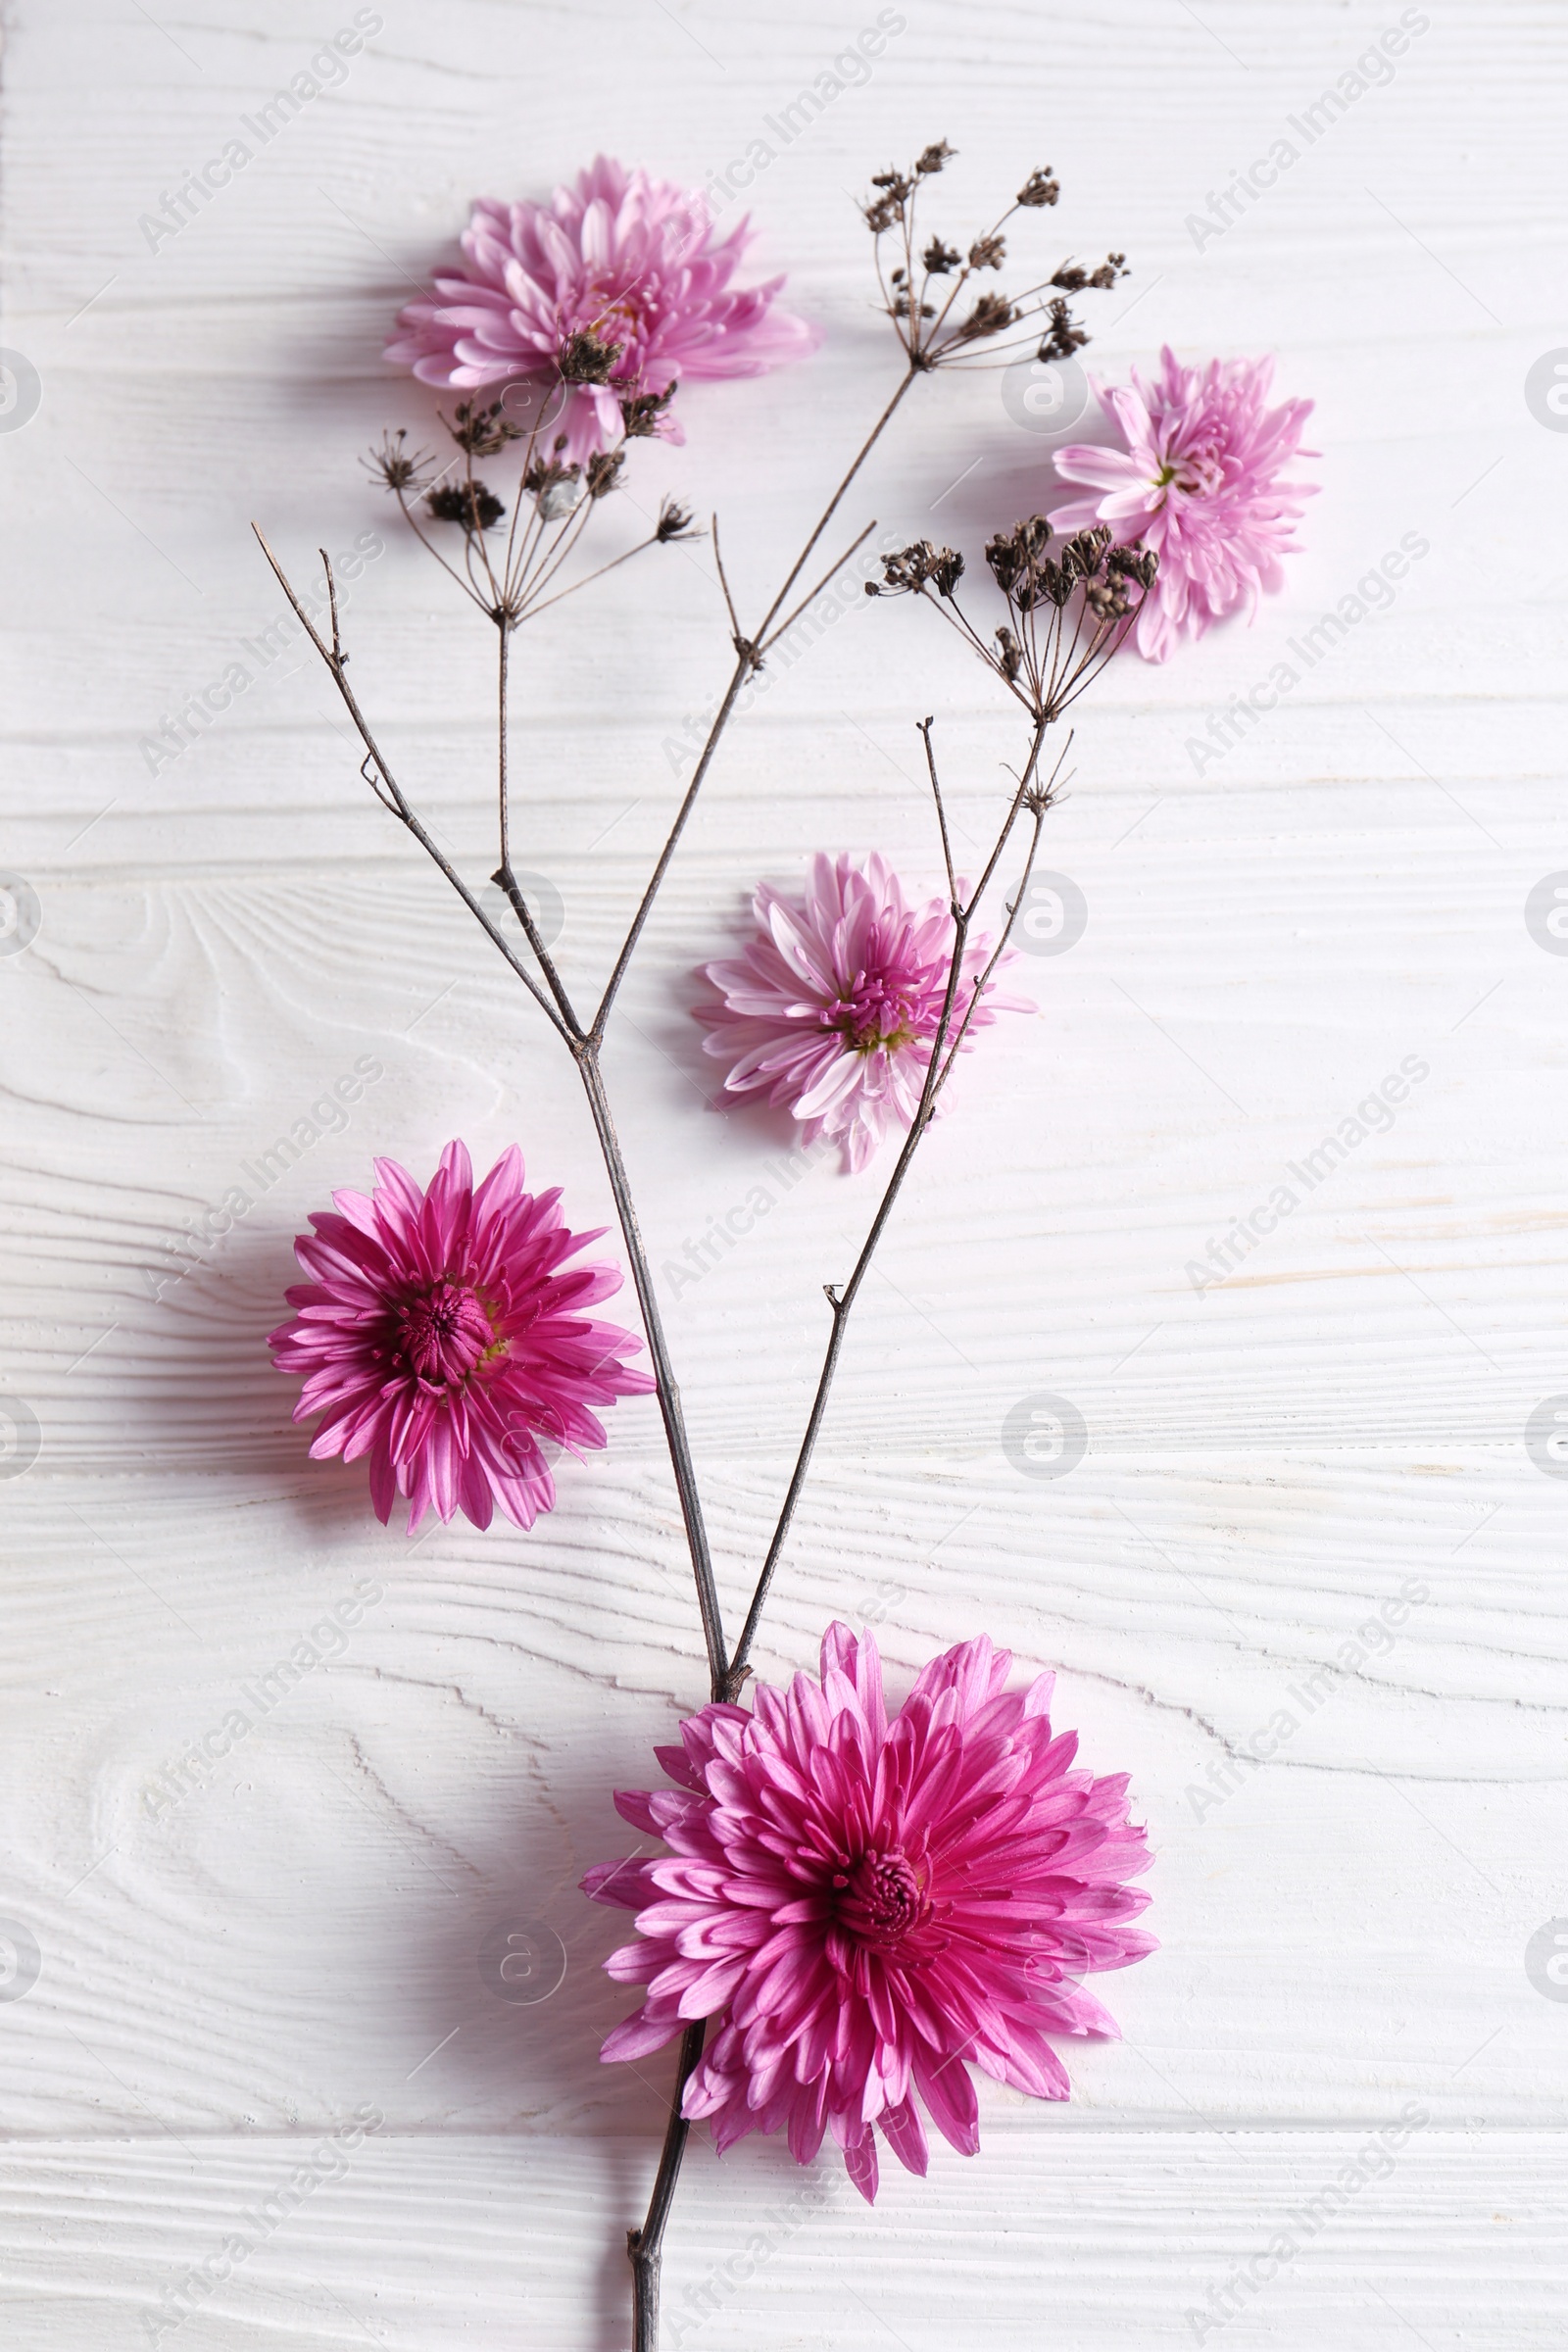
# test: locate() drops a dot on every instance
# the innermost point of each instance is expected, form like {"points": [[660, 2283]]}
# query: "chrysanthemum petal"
{"points": [[834, 1008], [869, 1904], [1198, 478], [634, 261], [443, 1337]]}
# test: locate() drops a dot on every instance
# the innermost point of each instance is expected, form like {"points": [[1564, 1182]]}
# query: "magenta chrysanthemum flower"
{"points": [[1197, 479], [862, 1906], [628, 260], [443, 1336], [833, 1009]]}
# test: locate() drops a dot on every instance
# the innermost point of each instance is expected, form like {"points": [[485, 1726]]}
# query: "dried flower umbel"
{"points": [[939, 318], [1068, 611], [550, 505], [940, 323]]}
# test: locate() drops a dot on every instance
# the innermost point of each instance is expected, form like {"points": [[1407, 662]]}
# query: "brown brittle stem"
{"points": [[503, 632], [503, 877], [841, 1302], [644, 2247], [399, 803], [669, 1404], [747, 658], [536, 565]]}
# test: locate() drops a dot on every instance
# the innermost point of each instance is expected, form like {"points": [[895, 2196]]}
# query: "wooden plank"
{"points": [[260, 1881], [1437, 2237]]}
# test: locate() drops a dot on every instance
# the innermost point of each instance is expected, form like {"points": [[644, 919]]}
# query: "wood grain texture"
{"points": [[1453, 2237], [246, 1935]]}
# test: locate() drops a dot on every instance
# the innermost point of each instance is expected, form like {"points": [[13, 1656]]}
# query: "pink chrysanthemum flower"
{"points": [[863, 1905], [627, 260], [833, 1009], [1197, 479], [441, 1336]]}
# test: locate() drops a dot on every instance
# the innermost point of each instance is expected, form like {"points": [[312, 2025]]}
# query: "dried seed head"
{"points": [[1015, 555], [946, 571], [1108, 599], [675, 522], [1039, 188], [640, 413], [993, 314], [884, 212], [1084, 553], [908, 572], [483, 431], [1057, 583], [938, 259], [1137, 563], [1063, 338], [556, 488], [603, 472], [931, 159], [988, 253], [1004, 560], [585, 360], [397, 466], [469, 503]]}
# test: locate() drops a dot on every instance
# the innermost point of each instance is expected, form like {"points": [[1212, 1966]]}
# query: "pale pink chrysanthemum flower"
{"points": [[1197, 479], [626, 258], [862, 1906], [832, 1009], [443, 1336]]}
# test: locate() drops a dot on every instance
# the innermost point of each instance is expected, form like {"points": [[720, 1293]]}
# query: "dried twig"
{"points": [[1043, 670]]}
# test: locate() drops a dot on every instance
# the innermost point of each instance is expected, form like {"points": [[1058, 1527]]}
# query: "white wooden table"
{"points": [[227, 1975]]}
